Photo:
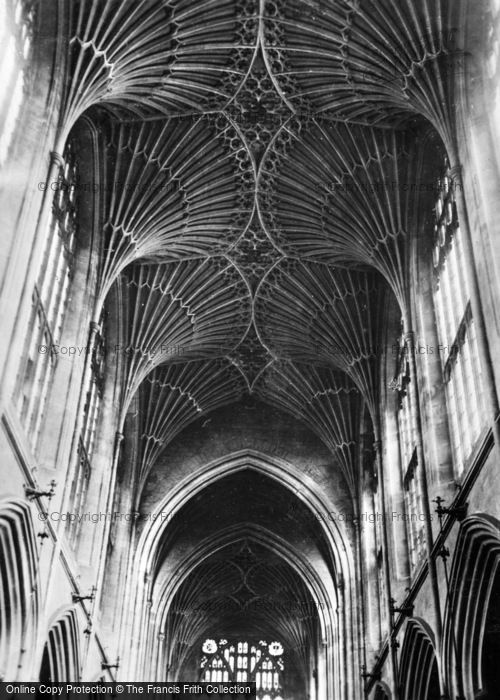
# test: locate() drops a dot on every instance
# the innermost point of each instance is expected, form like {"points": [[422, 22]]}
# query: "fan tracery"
{"points": [[164, 56], [312, 313], [251, 357], [192, 310], [372, 61], [281, 135], [346, 195], [174, 395], [254, 254], [258, 107], [326, 400], [177, 189]]}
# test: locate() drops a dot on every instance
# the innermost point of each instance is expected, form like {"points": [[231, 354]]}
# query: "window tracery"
{"points": [[245, 661], [17, 19], [492, 63], [412, 487], [50, 297], [91, 414], [458, 347]]}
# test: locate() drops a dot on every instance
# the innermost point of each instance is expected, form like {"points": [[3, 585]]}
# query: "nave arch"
{"points": [[419, 675], [61, 653], [153, 583], [19, 594], [472, 623]]}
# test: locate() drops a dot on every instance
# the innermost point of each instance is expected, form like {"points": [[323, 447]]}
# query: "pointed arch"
{"points": [[339, 615], [419, 674], [61, 654], [18, 586], [472, 619], [382, 692]]}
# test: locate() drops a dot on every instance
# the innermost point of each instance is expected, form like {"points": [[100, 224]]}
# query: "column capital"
{"points": [[57, 159], [409, 337], [118, 443], [456, 172]]}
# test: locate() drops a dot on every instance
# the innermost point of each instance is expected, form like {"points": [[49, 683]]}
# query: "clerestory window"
{"points": [[91, 414], [17, 19], [414, 516], [458, 347], [49, 300]]}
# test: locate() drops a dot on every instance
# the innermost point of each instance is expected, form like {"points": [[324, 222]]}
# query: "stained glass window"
{"points": [[245, 661]]}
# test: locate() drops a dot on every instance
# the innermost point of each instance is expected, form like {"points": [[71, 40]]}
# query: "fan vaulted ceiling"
{"points": [[257, 153]]}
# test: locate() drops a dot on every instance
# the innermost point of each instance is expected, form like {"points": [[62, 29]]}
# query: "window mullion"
{"points": [[471, 386]]}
